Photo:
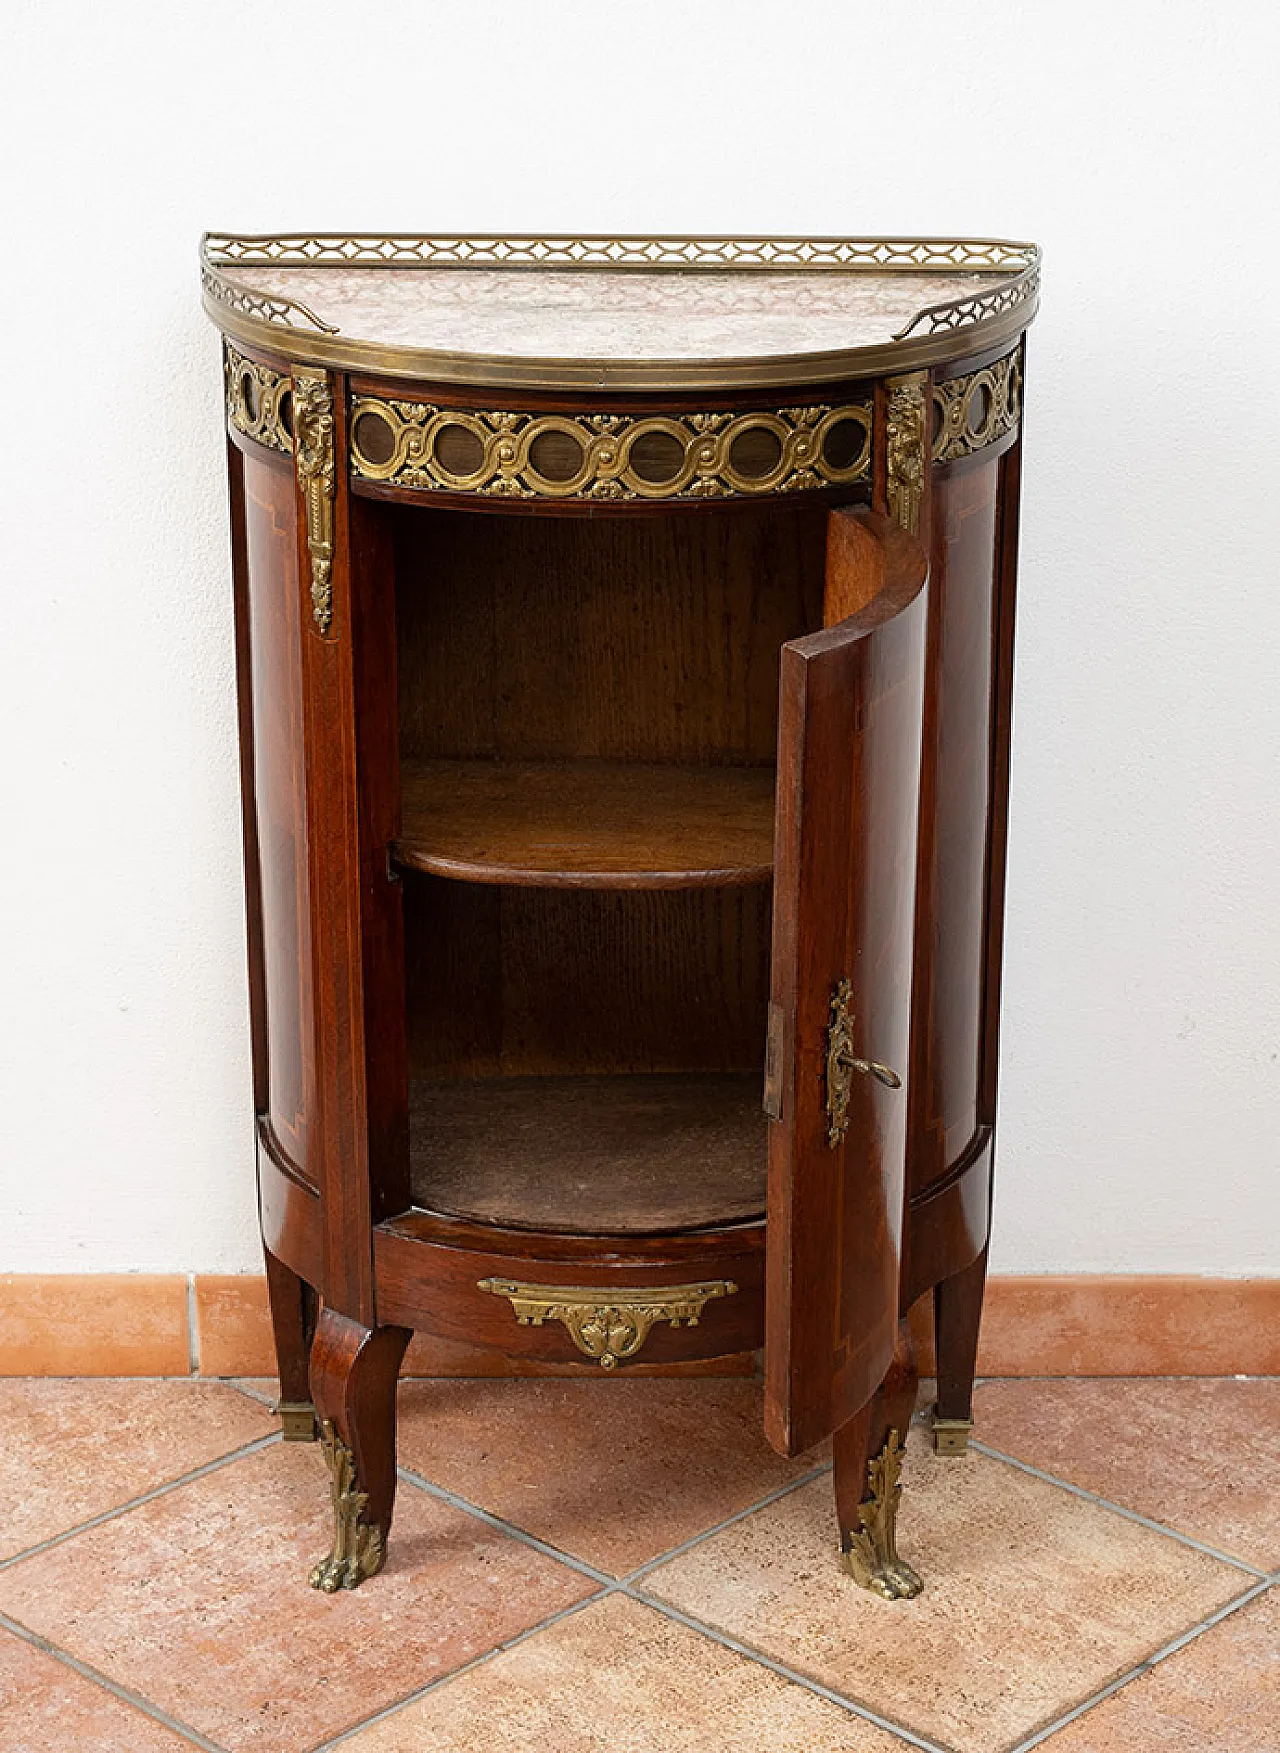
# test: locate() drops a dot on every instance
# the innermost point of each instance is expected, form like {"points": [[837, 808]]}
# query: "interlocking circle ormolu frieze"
{"points": [[975, 410], [609, 456], [259, 401]]}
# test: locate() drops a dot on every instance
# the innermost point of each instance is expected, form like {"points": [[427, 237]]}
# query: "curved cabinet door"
{"points": [[844, 901]]}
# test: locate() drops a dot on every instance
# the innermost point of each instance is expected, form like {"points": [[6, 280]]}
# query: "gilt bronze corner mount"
{"points": [[871, 1555], [317, 478], [359, 1550]]}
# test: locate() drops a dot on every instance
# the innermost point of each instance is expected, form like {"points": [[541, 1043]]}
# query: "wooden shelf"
{"points": [[588, 824], [584, 1155]]}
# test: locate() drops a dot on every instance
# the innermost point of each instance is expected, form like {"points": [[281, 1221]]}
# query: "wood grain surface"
{"points": [[511, 982], [582, 1154], [588, 824], [533, 639], [844, 901]]}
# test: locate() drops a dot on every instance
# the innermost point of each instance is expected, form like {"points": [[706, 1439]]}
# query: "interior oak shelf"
{"points": [[604, 1155], [588, 824]]}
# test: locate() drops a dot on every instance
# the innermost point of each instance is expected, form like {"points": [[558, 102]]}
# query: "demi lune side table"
{"points": [[624, 634]]}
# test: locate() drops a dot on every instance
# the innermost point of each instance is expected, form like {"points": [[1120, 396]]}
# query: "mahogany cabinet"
{"points": [[624, 644]]}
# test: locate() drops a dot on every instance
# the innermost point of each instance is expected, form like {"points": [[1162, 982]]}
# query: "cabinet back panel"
{"points": [[642, 639], [506, 982]]}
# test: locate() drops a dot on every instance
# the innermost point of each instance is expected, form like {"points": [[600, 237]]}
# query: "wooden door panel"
{"points": [[844, 900]]}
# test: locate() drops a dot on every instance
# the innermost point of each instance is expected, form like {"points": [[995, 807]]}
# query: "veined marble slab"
{"points": [[609, 316]]}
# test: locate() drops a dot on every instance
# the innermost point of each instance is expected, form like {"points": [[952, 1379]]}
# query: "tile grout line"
{"points": [[1161, 1376], [134, 1503], [478, 1661], [193, 1328], [1146, 1666], [583, 1565], [444, 1495], [727, 1641], [774, 1496], [610, 1585], [124, 1693], [626, 1586], [1118, 1509], [240, 1387]]}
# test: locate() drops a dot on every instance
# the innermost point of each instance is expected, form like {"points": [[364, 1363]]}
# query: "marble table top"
{"points": [[608, 316]]}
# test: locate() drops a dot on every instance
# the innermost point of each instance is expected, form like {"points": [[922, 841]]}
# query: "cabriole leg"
{"points": [[957, 1315], [353, 1383], [293, 1320], [868, 1456]]}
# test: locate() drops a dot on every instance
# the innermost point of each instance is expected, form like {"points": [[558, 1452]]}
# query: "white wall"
{"points": [[1138, 143]]}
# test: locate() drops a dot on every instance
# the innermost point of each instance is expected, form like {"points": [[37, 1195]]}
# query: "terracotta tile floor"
{"points": [[624, 1567]]}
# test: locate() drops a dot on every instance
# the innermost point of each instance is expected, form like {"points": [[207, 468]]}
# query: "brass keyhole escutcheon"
{"points": [[843, 1064]]}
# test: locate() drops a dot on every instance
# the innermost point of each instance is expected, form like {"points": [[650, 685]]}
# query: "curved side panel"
{"points": [[289, 1210], [955, 824], [949, 1222], [279, 770]]}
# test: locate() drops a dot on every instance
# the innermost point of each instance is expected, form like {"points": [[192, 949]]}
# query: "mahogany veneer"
{"points": [[624, 636]]}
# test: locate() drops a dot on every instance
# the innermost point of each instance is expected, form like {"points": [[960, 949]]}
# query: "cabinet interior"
{"points": [[588, 725]]}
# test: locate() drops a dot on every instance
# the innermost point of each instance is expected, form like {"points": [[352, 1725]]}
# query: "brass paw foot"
{"points": [[359, 1551], [871, 1555], [334, 1573], [891, 1582], [950, 1435]]}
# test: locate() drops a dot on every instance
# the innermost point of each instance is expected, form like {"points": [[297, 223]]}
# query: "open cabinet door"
{"points": [[849, 740]]}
